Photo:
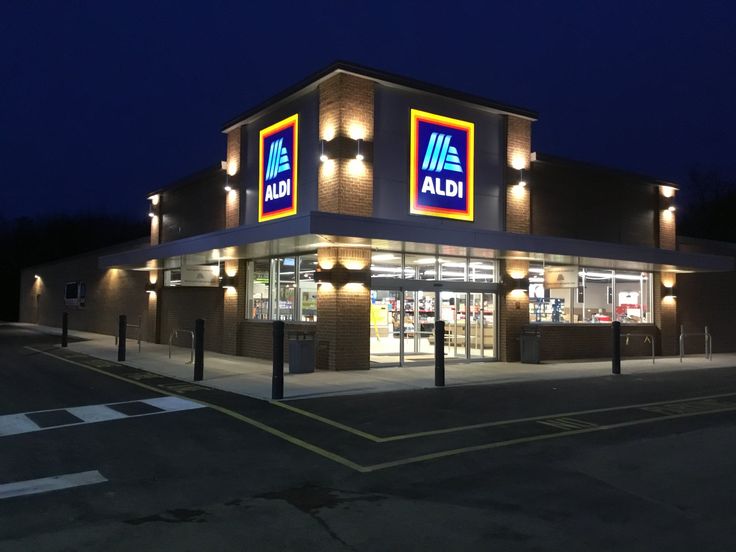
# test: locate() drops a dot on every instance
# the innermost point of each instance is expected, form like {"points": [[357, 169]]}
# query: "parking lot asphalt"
{"points": [[598, 462]]}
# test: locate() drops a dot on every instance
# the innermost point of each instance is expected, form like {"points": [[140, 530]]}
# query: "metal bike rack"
{"points": [[138, 327], [708, 343], [190, 333], [647, 337]]}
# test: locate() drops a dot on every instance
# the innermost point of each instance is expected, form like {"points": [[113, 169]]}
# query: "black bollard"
{"points": [[198, 349], [122, 328], [616, 350], [439, 353], [277, 381], [65, 329]]}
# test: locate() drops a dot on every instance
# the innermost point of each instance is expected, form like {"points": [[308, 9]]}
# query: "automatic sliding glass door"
{"points": [[403, 322]]}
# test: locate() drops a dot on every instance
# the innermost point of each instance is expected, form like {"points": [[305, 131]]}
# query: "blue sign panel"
{"points": [[441, 174], [277, 182]]}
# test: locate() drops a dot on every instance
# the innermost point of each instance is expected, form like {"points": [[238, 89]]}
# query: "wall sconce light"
{"points": [[151, 214], [669, 292], [36, 277], [322, 155], [227, 281], [518, 284], [522, 182], [228, 187], [359, 154], [150, 288], [671, 208], [339, 276]]}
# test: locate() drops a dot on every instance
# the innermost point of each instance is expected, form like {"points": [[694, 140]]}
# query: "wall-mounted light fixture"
{"points": [[520, 284], [227, 281], [150, 210], [359, 154], [669, 292], [322, 155], [150, 288], [36, 277], [671, 208], [521, 183], [339, 276]]}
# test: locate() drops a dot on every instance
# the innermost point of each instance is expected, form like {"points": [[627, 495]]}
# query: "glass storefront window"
{"points": [[386, 265], [307, 288], [284, 278], [259, 280], [633, 297], [282, 289], [562, 294], [453, 269], [420, 267], [597, 294], [481, 270]]}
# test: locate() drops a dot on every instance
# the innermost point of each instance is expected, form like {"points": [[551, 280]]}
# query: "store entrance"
{"points": [[403, 321]]}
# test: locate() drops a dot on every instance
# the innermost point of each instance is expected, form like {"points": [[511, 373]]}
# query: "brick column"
{"points": [[232, 198], [345, 116], [513, 306], [665, 315], [518, 152], [232, 306], [343, 321]]}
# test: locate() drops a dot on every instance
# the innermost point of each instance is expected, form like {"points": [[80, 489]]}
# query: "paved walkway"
{"points": [[252, 377]]}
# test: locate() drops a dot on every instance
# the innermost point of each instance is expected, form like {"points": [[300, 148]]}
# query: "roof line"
{"points": [[189, 179], [554, 159], [392, 78]]}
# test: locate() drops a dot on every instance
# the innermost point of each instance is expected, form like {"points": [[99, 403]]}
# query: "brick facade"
{"points": [[343, 322], [346, 106], [593, 341], [232, 198], [110, 293]]}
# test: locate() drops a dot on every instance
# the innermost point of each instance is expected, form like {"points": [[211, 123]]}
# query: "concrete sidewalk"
{"points": [[252, 377]]}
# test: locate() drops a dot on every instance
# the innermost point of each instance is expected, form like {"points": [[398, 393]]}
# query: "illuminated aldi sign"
{"points": [[277, 173], [441, 174]]}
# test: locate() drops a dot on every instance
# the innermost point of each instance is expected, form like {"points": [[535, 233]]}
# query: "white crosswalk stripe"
{"points": [[16, 424], [13, 424]]}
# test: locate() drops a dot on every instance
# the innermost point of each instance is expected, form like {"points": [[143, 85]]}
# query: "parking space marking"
{"points": [[250, 421], [534, 438], [482, 425], [715, 408], [46, 484], [567, 423]]}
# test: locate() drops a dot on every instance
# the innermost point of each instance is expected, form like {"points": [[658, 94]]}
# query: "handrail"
{"points": [[646, 337], [175, 333], [138, 327], [708, 342]]}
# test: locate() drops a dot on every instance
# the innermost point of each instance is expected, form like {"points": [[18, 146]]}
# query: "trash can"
{"points": [[301, 352], [529, 341]]}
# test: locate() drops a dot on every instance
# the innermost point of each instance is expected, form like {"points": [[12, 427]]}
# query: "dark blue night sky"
{"points": [[102, 102]]}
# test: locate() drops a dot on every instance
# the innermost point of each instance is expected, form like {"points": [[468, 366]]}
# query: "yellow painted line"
{"points": [[435, 455], [255, 423], [522, 440], [482, 425], [329, 422]]}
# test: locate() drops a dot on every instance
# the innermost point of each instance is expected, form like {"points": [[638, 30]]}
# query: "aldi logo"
{"points": [[277, 172], [441, 173]]}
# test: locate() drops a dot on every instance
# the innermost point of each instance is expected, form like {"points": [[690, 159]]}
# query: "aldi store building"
{"points": [[362, 207]]}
